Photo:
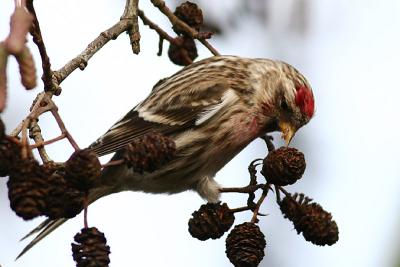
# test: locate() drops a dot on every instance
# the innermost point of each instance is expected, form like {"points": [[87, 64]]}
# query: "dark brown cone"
{"points": [[317, 226], [10, 154], [51, 167], [212, 220], [310, 219], [27, 189], [82, 169], [292, 207], [150, 152], [183, 51], [2, 129], [245, 245], [284, 166], [62, 200], [191, 14], [90, 248]]}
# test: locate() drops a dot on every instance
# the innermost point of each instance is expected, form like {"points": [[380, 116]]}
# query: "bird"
{"points": [[212, 109]]}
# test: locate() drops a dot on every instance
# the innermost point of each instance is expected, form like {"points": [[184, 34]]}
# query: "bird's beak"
{"points": [[288, 131]]}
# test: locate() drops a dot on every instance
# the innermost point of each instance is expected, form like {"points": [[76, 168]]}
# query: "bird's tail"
{"points": [[48, 226]]}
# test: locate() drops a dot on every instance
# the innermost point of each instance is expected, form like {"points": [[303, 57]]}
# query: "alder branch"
{"points": [[131, 13], [36, 33], [126, 23], [163, 34], [63, 129], [52, 79], [43, 143], [82, 59], [244, 190], [254, 219], [35, 133], [201, 36], [36, 110]]}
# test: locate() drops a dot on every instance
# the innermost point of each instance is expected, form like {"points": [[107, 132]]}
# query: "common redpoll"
{"points": [[212, 109]]}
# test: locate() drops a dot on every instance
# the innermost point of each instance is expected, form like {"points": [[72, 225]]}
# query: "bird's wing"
{"points": [[167, 113]]}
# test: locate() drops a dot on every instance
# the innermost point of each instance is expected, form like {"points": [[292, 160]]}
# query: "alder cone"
{"points": [[212, 220], [310, 219], [90, 248], [62, 199], [50, 167], [317, 226], [82, 169], [191, 14], [245, 245], [150, 152], [10, 154], [292, 207], [183, 51], [283, 166], [27, 189]]}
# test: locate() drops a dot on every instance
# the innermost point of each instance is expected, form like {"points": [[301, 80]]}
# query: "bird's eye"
{"points": [[284, 105]]}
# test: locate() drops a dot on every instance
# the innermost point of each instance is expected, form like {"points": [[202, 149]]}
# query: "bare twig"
{"points": [[52, 80], [36, 110], [245, 208], [85, 210], [254, 219], [131, 13], [253, 181], [63, 129], [245, 190], [160, 4], [278, 194], [35, 133], [39, 144], [82, 59], [163, 34], [160, 46], [24, 137], [286, 193], [36, 33]]}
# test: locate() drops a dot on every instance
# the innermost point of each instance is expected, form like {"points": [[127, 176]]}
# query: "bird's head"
{"points": [[288, 98]]}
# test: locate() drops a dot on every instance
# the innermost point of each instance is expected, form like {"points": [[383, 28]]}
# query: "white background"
{"points": [[349, 51]]}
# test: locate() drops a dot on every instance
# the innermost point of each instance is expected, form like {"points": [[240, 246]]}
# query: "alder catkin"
{"points": [[20, 23], [27, 68], [3, 76]]}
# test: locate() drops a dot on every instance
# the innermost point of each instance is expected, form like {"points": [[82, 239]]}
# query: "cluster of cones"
{"points": [[61, 190], [53, 190], [245, 244], [183, 50]]}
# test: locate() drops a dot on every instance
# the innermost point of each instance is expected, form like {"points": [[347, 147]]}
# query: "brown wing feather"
{"points": [[167, 115], [133, 126]]}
